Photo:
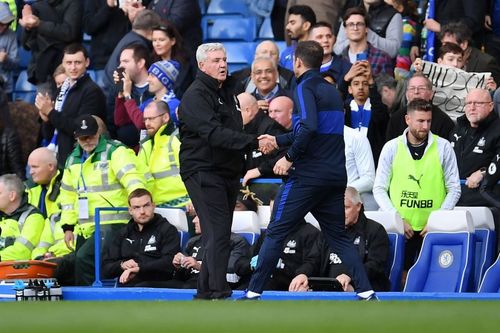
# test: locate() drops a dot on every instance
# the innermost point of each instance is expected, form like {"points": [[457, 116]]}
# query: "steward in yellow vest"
{"points": [[160, 152], [21, 224], [98, 173], [43, 192]]}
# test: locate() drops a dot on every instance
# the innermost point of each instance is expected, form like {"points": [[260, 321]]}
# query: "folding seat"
{"points": [[491, 280], [23, 90], [228, 7], [229, 28], [393, 224], [24, 57], [312, 220], [264, 213], [239, 54], [485, 236], [246, 224], [266, 30], [446, 260], [177, 218]]}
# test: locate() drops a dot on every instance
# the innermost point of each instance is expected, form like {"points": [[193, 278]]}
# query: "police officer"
{"points": [[43, 193], [160, 152], [21, 224], [417, 174], [98, 173]]}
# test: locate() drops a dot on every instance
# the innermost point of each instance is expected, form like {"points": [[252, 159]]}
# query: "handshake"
{"points": [[267, 143]]}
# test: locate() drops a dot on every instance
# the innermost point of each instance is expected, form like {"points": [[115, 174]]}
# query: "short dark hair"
{"points": [[139, 52], [305, 12], [459, 29], [419, 104], [450, 48], [355, 11], [310, 52], [145, 20], [139, 192], [322, 24], [74, 48]]}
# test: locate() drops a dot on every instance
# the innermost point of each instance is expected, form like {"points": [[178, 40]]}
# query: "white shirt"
{"points": [[358, 161]]}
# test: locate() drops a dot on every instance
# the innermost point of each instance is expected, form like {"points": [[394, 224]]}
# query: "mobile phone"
{"points": [[119, 84], [361, 56]]}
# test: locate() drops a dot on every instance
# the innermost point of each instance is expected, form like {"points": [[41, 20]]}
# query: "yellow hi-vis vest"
{"points": [[417, 187], [51, 204], [161, 155], [105, 179], [25, 227]]}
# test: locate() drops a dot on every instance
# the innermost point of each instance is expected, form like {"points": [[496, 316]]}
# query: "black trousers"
{"points": [[214, 198]]}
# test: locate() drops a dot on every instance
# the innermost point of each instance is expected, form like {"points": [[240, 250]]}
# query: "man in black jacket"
{"points": [[141, 254], [211, 158], [78, 95]]}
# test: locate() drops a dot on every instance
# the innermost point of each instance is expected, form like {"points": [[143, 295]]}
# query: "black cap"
{"points": [[86, 125]]}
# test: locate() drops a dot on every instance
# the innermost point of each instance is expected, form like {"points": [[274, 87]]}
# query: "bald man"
{"points": [[267, 49], [43, 192], [280, 110], [255, 121]]}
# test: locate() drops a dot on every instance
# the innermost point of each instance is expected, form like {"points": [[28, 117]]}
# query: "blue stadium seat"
{"points": [[246, 224], [491, 280], [203, 6], [228, 7], [229, 27], [239, 54], [23, 90], [24, 57], [177, 218], [485, 237], [393, 224], [264, 213], [266, 30], [446, 260]]}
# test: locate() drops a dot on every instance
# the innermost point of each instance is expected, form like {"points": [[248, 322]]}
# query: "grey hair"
{"points": [[353, 195], [271, 60], [13, 183], [204, 49]]}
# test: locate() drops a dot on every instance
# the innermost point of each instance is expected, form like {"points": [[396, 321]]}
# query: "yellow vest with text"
{"points": [[417, 187], [24, 228], [106, 178], [161, 155]]}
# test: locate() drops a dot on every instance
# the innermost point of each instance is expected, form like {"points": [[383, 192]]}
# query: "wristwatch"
{"points": [[288, 158]]}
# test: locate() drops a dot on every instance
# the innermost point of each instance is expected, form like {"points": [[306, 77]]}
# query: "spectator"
{"points": [[365, 112], [280, 109], [43, 193], [99, 173], [168, 45], [21, 224], [11, 156], [257, 122], [106, 23], [49, 27], [474, 59], [9, 58], [384, 27], [371, 240], [59, 76], [131, 93], [420, 87], [265, 79], [334, 67], [78, 95], [300, 20], [492, 25], [359, 48], [211, 161], [160, 153], [417, 174], [391, 91], [265, 49], [141, 253]]}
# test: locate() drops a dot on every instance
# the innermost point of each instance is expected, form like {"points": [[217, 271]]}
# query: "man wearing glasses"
{"points": [[420, 86]]}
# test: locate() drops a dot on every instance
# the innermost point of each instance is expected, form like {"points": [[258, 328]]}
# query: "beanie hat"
{"points": [[166, 71]]}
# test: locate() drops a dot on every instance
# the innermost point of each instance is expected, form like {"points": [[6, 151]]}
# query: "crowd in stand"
{"points": [[113, 140]]}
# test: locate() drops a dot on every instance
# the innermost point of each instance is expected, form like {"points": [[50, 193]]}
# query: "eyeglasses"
{"points": [[476, 104], [417, 89], [357, 25], [154, 117]]}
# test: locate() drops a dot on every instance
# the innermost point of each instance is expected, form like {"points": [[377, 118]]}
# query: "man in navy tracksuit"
{"points": [[315, 165]]}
